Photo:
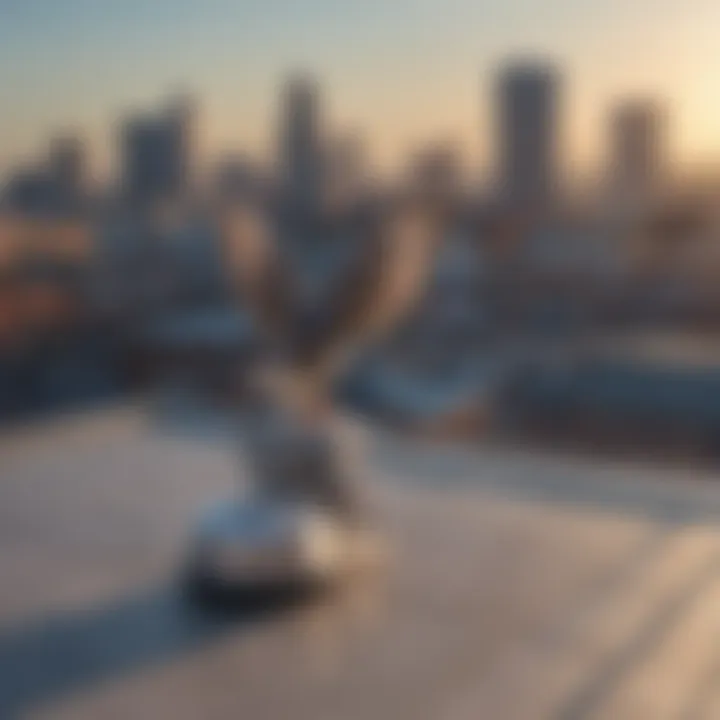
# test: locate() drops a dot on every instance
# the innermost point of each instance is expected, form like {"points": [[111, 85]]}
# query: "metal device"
{"points": [[304, 524]]}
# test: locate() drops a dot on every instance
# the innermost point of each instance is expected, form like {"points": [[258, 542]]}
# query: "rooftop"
{"points": [[523, 585]]}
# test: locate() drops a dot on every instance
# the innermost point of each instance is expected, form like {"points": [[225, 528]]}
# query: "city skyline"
{"points": [[527, 101], [405, 75]]}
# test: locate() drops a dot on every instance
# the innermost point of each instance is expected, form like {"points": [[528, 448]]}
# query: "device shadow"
{"points": [[61, 654]]}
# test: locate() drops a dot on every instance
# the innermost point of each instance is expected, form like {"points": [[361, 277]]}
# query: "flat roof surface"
{"points": [[522, 585]]}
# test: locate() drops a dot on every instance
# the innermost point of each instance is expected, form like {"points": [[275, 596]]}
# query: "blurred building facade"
{"points": [[528, 137], [301, 142], [67, 168], [638, 153], [55, 186], [157, 155]]}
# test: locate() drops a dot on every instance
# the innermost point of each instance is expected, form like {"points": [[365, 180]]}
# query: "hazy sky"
{"points": [[401, 71]]}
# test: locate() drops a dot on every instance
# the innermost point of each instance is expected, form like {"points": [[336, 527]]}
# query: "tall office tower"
{"points": [[66, 168], [638, 134], [141, 161], [179, 121], [301, 145], [29, 191], [157, 155], [528, 137]]}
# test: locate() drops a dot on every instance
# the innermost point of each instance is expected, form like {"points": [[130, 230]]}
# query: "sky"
{"points": [[401, 72]]}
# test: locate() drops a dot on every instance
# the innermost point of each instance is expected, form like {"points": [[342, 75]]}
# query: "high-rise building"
{"points": [[67, 168], [54, 186], [301, 145], [638, 131], [29, 191], [157, 155], [179, 120], [143, 168], [528, 137]]}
